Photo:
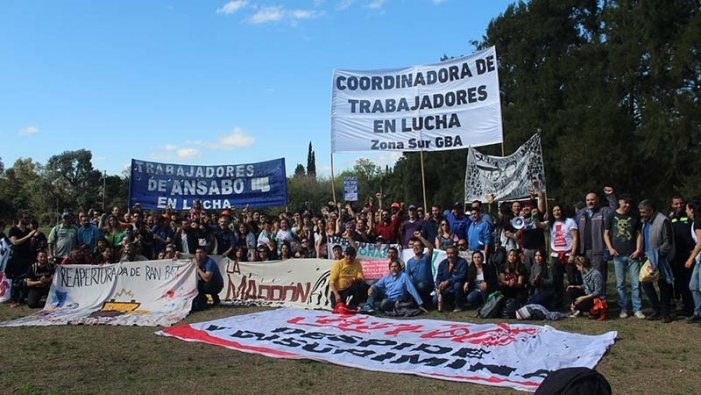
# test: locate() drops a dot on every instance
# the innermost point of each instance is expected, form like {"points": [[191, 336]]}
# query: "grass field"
{"points": [[648, 357]]}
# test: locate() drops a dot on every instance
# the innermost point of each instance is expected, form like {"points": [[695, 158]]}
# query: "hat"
{"points": [[66, 214], [412, 207], [395, 205], [225, 213], [165, 216], [457, 205], [523, 313]]}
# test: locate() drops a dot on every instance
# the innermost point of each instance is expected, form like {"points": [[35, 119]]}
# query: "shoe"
{"points": [[667, 319], [575, 314], [639, 315], [693, 319], [623, 315], [457, 310], [653, 317], [13, 305], [367, 309]]}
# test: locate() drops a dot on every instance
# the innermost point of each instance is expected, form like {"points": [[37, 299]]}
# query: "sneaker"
{"points": [[639, 315], [457, 309], [623, 315], [367, 309], [575, 314]]}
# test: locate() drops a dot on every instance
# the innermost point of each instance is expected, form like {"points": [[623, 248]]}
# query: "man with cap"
{"points": [[347, 279], [411, 225], [63, 239]]}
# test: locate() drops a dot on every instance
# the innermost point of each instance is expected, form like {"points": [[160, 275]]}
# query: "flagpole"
{"points": [[333, 181], [423, 180]]}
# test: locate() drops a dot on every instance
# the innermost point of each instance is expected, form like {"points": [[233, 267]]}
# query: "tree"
{"points": [[71, 179], [311, 162], [299, 170]]}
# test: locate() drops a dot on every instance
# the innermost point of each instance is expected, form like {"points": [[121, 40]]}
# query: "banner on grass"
{"points": [[509, 177], [519, 356], [161, 185], [436, 107], [146, 293]]}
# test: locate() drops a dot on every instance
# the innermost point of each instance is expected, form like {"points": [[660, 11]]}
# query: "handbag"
{"points": [[647, 274], [492, 306]]}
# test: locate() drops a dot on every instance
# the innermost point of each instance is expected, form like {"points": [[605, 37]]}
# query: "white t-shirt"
{"points": [[561, 235]]}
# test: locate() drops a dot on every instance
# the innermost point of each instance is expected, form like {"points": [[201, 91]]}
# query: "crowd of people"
{"points": [[489, 247]]}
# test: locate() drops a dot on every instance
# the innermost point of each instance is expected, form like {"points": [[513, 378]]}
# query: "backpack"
{"points": [[492, 306], [574, 381], [510, 307]]}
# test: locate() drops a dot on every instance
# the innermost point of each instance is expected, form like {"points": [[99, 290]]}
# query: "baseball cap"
{"points": [[412, 207], [395, 205]]}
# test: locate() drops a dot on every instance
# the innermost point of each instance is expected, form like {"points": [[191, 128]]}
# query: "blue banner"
{"points": [[159, 185]]}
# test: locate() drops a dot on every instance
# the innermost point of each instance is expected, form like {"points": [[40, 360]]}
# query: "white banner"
{"points": [[519, 356], [507, 177], [147, 293], [292, 282], [449, 105], [5, 283]]}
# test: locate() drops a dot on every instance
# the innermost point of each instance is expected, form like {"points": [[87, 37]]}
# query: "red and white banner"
{"points": [[519, 356], [149, 293]]}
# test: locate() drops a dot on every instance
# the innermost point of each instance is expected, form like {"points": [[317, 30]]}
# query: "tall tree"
{"points": [[311, 162], [71, 179], [299, 170]]}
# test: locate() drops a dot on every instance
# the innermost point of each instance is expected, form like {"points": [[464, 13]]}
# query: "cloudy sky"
{"points": [[205, 82]]}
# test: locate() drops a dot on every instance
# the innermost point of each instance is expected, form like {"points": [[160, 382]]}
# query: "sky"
{"points": [[206, 82]]}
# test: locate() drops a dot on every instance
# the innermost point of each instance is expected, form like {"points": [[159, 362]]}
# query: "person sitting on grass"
{"points": [[582, 297], [394, 287], [38, 280], [512, 281], [541, 281], [209, 279], [450, 280], [481, 280], [347, 279]]}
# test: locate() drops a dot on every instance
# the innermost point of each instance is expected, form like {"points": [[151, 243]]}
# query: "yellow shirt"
{"points": [[343, 275]]}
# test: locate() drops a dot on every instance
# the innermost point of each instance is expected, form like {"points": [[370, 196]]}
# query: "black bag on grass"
{"points": [[510, 307], [574, 381]]}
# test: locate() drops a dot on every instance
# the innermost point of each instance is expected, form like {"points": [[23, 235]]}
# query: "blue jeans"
{"points": [[695, 288], [623, 264], [476, 297]]}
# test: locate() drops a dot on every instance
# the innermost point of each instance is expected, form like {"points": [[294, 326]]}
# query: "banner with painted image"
{"points": [[5, 283], [508, 177], [292, 282], [373, 256], [161, 185], [150, 293], [518, 356], [443, 106]]}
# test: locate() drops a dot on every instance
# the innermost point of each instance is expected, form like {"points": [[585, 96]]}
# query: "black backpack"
{"points": [[510, 307], [574, 381]]}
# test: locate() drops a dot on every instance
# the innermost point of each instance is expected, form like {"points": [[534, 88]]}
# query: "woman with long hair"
{"points": [[693, 210], [444, 237], [512, 279]]}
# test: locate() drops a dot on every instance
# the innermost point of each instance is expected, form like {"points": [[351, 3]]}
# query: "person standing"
{"points": [[63, 239], [590, 222], [658, 244], [682, 227], [625, 244], [693, 210]]}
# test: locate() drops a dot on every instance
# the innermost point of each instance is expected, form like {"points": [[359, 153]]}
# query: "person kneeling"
{"points": [[38, 280], [392, 289], [209, 279], [590, 295]]}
